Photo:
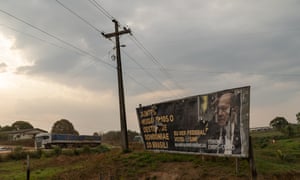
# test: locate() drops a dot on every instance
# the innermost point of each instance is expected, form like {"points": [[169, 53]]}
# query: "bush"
{"points": [[36, 154], [47, 154], [68, 152], [281, 155], [101, 149], [86, 149], [17, 153], [76, 152], [57, 150]]}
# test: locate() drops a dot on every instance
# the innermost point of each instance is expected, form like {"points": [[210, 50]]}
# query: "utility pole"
{"points": [[116, 34]]}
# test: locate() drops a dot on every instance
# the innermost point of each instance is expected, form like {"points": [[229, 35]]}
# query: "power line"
{"points": [[154, 60], [77, 15], [137, 82], [139, 45], [109, 16], [102, 9], [78, 50], [131, 58], [35, 37], [57, 38]]}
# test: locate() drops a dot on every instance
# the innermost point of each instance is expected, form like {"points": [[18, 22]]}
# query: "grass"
{"points": [[44, 168], [280, 159]]}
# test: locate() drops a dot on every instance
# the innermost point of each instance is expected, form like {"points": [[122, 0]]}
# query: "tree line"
{"points": [[282, 125], [64, 126]]}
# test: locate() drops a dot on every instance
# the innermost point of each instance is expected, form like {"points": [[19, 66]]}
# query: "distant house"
{"points": [[23, 134]]}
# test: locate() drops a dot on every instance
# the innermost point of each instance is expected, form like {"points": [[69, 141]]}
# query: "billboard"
{"points": [[211, 124]]}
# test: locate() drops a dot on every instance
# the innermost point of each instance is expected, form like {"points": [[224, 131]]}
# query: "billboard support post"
{"points": [[237, 166], [251, 161]]}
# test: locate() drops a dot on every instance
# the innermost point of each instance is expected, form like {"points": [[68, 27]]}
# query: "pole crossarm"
{"points": [[109, 35], [114, 34]]}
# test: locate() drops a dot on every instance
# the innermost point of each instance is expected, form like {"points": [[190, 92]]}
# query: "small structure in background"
{"points": [[23, 134], [138, 139], [266, 128]]}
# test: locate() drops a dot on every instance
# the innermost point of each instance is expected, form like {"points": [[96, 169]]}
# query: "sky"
{"points": [[55, 64]]}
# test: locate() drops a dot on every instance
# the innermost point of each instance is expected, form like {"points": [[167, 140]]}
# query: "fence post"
{"points": [[28, 168]]}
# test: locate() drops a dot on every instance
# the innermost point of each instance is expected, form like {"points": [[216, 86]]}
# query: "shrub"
{"points": [[57, 150], [76, 152], [17, 153], [281, 155], [101, 149], [86, 149], [68, 152], [36, 154]]}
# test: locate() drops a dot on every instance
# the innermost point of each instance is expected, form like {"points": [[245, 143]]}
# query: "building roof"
{"points": [[27, 131]]}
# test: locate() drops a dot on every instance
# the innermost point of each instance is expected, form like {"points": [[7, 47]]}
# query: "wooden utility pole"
{"points": [[116, 34]]}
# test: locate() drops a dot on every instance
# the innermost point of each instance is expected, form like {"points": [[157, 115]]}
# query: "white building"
{"points": [[23, 134]]}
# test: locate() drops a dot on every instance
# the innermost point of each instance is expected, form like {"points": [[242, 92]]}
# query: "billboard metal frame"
{"points": [[179, 116]]}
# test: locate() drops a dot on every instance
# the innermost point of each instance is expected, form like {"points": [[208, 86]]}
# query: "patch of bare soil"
{"points": [[186, 170]]}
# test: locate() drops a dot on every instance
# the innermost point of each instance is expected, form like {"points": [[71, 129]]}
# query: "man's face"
{"points": [[224, 109]]}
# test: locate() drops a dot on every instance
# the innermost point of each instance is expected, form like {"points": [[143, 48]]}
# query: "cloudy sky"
{"points": [[54, 62]]}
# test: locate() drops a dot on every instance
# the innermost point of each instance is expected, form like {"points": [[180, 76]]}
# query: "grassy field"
{"points": [[279, 160]]}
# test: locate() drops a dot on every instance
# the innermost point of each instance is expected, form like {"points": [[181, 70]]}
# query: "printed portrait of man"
{"points": [[224, 129]]}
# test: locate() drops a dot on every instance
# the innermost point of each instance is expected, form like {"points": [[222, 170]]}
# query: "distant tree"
{"points": [[131, 135], [22, 125], [63, 126], [298, 117], [114, 137], [279, 123], [96, 134], [8, 128], [289, 130]]}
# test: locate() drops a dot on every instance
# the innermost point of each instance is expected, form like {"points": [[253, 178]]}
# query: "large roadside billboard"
{"points": [[211, 124]]}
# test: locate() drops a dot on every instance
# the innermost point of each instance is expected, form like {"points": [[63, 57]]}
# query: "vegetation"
{"points": [[18, 125], [298, 117], [279, 123], [21, 125], [63, 126], [113, 137], [274, 160], [276, 154]]}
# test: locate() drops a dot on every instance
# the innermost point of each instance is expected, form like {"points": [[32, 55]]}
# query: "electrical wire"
{"points": [[35, 37], [139, 45], [137, 82], [142, 68], [101, 9], [77, 15], [57, 38]]}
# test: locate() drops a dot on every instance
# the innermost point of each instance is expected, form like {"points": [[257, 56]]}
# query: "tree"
{"points": [[22, 125], [279, 123], [298, 117], [7, 128], [63, 126], [289, 130]]}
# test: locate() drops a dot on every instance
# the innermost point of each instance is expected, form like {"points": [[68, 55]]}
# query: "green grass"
{"points": [[279, 158], [269, 134], [40, 169]]}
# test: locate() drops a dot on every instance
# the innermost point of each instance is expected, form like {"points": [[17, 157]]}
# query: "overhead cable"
{"points": [[57, 38]]}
